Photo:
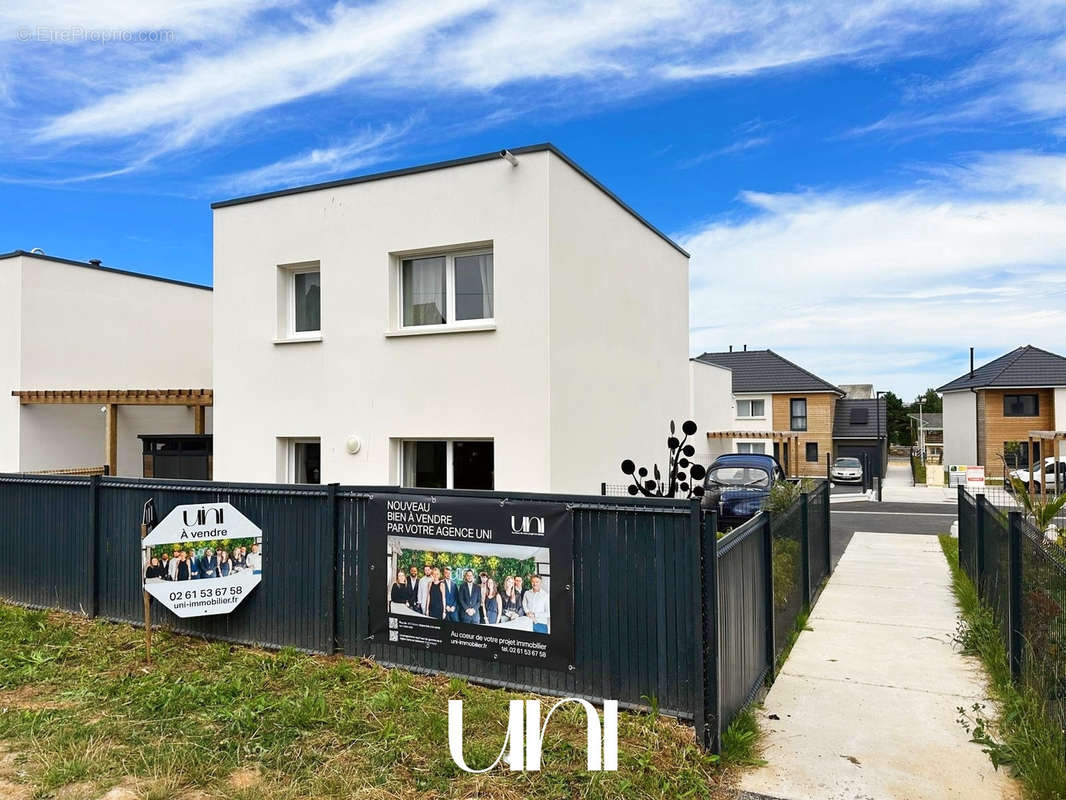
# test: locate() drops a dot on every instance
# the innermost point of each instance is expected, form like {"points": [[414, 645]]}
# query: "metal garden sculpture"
{"points": [[683, 477]]}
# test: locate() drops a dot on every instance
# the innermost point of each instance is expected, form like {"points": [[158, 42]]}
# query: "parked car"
{"points": [[1048, 473], [737, 485], [846, 470]]}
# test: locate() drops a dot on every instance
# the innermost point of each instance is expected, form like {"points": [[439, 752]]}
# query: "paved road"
{"points": [[926, 518]]}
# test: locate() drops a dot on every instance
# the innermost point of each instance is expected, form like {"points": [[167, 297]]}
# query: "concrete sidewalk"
{"points": [[865, 706], [899, 486]]}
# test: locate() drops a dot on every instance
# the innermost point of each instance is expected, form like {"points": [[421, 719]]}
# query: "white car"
{"points": [[846, 470], [1048, 473]]}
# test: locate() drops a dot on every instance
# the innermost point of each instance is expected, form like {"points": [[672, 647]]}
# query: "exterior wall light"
{"points": [[353, 445]]}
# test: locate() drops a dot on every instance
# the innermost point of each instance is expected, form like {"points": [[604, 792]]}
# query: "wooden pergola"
{"points": [[196, 399], [780, 437], [1054, 437]]}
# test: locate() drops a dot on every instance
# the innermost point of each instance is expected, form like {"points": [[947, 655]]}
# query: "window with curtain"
{"points": [[447, 289], [307, 300], [798, 408], [448, 464], [751, 408], [424, 291]]}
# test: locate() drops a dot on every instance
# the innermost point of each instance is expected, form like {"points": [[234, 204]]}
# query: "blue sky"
{"points": [[868, 189]]}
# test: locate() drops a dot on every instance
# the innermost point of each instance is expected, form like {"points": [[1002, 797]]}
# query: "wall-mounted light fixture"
{"points": [[353, 445]]}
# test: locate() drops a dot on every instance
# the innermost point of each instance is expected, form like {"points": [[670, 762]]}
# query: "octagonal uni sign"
{"points": [[202, 559]]}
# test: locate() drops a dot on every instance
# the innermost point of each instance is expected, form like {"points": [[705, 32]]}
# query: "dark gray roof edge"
{"points": [[544, 147], [965, 382], [823, 381], [101, 268], [945, 388]]}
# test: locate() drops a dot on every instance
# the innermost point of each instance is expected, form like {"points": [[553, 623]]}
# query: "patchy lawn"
{"points": [[81, 716]]}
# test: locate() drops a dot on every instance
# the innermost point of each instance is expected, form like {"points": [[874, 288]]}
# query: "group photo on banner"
{"points": [[474, 584], [473, 576]]}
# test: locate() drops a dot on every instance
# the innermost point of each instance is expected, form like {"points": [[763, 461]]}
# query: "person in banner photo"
{"points": [[536, 606], [451, 592], [401, 589], [469, 599], [437, 596]]}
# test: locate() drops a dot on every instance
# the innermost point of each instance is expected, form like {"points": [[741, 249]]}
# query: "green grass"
{"points": [[1021, 736], [82, 713], [740, 741]]}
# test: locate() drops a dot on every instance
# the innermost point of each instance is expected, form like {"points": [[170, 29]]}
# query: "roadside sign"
{"points": [[957, 474], [202, 559], [975, 477]]}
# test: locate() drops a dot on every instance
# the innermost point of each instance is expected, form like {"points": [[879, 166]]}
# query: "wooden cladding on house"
{"points": [[994, 427], [820, 410]]}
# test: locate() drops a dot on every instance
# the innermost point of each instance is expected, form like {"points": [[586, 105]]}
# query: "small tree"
{"points": [[683, 477]]}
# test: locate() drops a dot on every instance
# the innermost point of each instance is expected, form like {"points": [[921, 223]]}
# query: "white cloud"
{"points": [[369, 147], [477, 46], [738, 146], [884, 286]]}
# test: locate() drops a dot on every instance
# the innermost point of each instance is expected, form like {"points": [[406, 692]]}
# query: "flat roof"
{"points": [[102, 268], [545, 147]]}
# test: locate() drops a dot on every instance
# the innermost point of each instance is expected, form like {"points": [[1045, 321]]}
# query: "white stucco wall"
{"points": [[960, 427], [1060, 415], [84, 328], [619, 336], [585, 367], [711, 389], [10, 336], [357, 380]]}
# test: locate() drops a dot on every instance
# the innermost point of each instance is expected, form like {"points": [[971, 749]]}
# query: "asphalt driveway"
{"points": [[922, 518]]}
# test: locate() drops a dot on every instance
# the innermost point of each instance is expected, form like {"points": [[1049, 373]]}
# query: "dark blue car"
{"points": [[737, 485]]}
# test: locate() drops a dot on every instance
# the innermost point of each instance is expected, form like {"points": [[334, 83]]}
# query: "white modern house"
{"points": [[501, 321], [91, 357]]}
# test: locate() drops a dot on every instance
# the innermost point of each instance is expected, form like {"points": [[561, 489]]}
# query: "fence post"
{"points": [[94, 544], [979, 545], [1014, 605], [334, 533], [709, 709], [828, 468], [603, 489], [768, 566], [805, 535], [362, 585], [828, 534]]}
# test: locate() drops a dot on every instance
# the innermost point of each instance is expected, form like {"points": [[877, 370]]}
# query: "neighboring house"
{"points": [[860, 430], [927, 431], [91, 357], [775, 406], [469, 324], [989, 411]]}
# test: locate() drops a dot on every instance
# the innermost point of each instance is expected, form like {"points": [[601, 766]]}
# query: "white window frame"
{"points": [[748, 443], [750, 401], [287, 303], [451, 324], [449, 458], [287, 456]]}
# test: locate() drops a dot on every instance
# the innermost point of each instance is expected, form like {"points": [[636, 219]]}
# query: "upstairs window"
{"points": [[446, 289], [299, 301], [747, 409], [1021, 405], [798, 413]]}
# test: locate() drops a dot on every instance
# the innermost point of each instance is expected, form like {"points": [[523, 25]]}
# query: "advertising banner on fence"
{"points": [[202, 559], [473, 577]]}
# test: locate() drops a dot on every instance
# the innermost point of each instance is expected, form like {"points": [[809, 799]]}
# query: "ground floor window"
{"points": [[1017, 455], [301, 460], [751, 447], [812, 451], [447, 463]]}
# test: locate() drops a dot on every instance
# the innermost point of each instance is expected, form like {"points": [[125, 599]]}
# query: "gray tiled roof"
{"points": [[863, 424], [766, 371], [1024, 367]]}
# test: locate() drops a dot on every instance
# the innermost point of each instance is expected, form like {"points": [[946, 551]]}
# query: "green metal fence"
{"points": [[662, 615], [1021, 577]]}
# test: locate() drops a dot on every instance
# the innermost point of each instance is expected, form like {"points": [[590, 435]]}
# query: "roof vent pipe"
{"points": [[94, 261], [730, 348], [971, 363], [745, 348]]}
